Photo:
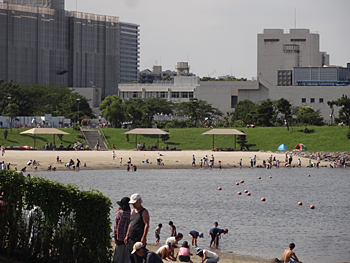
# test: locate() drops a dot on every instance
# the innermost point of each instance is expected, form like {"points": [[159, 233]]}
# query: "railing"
{"points": [[81, 130], [103, 136]]}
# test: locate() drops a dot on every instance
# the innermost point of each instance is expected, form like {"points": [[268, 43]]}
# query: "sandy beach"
{"points": [[224, 257], [99, 160]]}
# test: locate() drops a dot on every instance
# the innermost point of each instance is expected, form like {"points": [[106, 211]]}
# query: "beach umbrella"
{"points": [[282, 147], [35, 131], [300, 147]]}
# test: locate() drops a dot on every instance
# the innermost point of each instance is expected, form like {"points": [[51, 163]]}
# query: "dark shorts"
{"points": [[157, 236], [184, 258]]}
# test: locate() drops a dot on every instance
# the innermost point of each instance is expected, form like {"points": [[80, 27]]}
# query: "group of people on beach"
{"points": [[130, 237]]}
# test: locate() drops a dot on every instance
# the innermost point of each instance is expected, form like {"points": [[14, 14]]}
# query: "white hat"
{"points": [[134, 198], [137, 246]]}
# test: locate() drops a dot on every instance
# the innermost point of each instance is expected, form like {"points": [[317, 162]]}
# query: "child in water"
{"points": [[157, 233]]}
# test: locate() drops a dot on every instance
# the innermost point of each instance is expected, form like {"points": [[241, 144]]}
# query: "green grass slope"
{"points": [[14, 138], [325, 138]]}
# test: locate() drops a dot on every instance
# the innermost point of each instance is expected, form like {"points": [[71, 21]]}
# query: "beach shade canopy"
{"points": [[282, 147], [300, 147], [148, 131], [35, 131], [224, 132]]}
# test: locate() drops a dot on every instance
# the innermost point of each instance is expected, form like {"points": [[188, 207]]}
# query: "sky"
{"points": [[219, 37]]}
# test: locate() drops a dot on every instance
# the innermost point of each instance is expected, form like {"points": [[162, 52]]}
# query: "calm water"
{"points": [[190, 198]]}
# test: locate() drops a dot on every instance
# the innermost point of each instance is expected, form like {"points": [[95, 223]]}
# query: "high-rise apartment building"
{"points": [[279, 53], [42, 43]]}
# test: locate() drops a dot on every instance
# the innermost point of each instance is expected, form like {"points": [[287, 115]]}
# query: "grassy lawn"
{"points": [[326, 138], [14, 138]]}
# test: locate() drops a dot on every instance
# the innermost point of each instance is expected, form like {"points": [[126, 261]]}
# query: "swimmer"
{"points": [[289, 256]]}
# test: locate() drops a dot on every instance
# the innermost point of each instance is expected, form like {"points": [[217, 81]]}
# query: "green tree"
{"points": [[285, 108], [152, 106], [198, 110], [309, 116], [12, 111], [113, 109], [242, 110], [167, 77], [242, 140], [344, 112], [134, 111], [263, 114]]}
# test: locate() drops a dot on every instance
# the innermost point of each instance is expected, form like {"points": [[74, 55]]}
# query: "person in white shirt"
{"points": [[207, 256]]}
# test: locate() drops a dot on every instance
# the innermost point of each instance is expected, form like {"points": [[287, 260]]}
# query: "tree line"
{"points": [[141, 111], [38, 100]]}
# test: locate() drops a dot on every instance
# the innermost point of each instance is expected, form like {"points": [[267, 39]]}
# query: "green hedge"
{"points": [[68, 225]]}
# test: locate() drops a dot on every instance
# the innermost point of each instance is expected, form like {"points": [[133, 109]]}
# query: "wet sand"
{"points": [[99, 160], [225, 257]]}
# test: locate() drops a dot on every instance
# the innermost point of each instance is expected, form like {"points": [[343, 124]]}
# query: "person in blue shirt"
{"points": [[215, 234], [194, 236]]}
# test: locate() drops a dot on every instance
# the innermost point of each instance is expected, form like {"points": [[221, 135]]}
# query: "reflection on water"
{"points": [[190, 198]]}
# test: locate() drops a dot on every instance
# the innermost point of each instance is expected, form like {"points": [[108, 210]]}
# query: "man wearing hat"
{"points": [[146, 255], [122, 221], [138, 227]]}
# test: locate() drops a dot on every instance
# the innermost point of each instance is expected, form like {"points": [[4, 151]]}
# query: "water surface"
{"points": [[190, 198]]}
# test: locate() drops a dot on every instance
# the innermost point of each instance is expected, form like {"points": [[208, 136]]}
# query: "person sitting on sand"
{"points": [[207, 256], [29, 162], [194, 235], [184, 253], [146, 255], [289, 256], [49, 168], [167, 251]]}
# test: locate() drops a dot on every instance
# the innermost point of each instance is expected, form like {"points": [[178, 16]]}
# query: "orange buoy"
{"points": [[308, 175], [248, 194], [270, 177], [219, 188], [259, 177], [312, 207], [246, 191], [263, 199], [239, 193], [237, 183], [300, 203], [242, 182]]}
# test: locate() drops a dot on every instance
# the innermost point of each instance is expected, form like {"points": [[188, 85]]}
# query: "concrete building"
{"points": [[181, 89], [41, 43], [279, 53]]}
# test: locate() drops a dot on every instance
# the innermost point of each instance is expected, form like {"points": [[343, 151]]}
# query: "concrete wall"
{"points": [[279, 50], [220, 93], [295, 94]]}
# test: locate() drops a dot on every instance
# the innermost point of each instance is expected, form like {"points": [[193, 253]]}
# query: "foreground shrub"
{"points": [[44, 221]]}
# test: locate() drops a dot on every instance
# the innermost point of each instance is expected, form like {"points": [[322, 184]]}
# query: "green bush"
{"points": [[67, 226], [80, 136]]}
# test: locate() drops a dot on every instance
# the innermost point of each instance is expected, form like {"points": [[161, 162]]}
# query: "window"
{"points": [[233, 101], [312, 100], [175, 94], [320, 100], [298, 40], [271, 40], [290, 48], [303, 100], [190, 94], [184, 94], [163, 94]]}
